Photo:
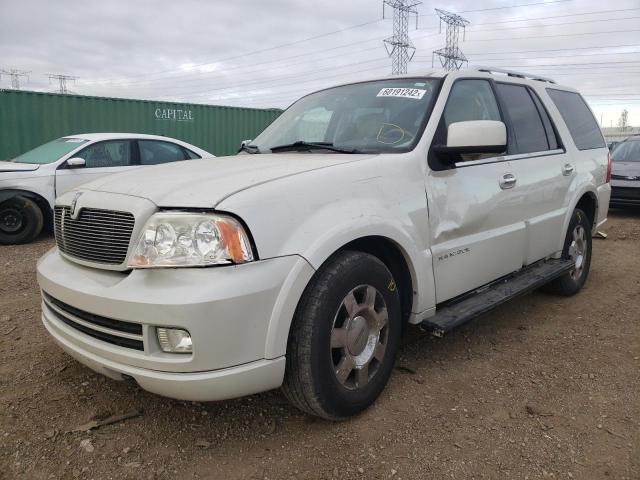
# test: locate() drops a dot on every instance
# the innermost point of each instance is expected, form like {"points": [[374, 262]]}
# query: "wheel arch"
{"points": [[42, 203], [588, 203], [586, 199], [395, 259], [386, 249]]}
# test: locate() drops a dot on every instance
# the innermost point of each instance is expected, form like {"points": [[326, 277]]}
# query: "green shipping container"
{"points": [[29, 119]]}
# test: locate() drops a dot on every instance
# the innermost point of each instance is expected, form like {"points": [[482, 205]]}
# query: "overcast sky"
{"points": [[266, 53]]}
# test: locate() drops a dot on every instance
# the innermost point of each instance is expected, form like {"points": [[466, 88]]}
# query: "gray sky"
{"points": [[268, 53]]}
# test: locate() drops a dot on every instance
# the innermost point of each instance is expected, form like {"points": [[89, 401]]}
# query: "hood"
{"points": [[18, 167], [205, 183], [626, 169]]}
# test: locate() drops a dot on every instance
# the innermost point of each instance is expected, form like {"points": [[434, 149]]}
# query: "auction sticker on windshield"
{"points": [[416, 93]]}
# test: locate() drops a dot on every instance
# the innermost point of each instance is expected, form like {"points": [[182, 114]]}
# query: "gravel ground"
{"points": [[544, 387]]}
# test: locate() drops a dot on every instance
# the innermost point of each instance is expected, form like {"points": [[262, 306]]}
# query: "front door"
{"points": [[476, 210], [101, 158]]}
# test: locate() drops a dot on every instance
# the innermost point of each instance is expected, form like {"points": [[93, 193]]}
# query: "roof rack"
{"points": [[512, 73]]}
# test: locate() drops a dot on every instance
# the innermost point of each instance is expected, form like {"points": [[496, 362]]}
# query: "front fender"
{"points": [[33, 187], [317, 213]]}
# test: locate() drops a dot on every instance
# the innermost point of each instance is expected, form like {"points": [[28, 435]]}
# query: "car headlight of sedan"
{"points": [[182, 239]]}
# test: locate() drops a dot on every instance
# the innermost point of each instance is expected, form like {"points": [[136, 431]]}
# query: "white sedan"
{"points": [[30, 183]]}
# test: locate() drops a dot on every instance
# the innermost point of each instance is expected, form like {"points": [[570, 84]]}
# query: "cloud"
{"points": [[254, 53]]}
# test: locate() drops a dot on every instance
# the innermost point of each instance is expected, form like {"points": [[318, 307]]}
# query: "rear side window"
{"points": [[191, 155], [153, 152], [579, 119], [526, 121]]}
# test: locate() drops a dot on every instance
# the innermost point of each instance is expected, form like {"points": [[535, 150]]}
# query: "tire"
{"points": [[340, 313], [21, 221], [571, 283]]}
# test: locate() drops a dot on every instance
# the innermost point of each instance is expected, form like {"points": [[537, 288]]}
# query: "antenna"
{"points": [[399, 46], [62, 79], [15, 76], [451, 57]]}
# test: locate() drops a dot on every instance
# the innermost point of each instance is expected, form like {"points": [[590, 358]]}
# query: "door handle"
{"points": [[567, 169], [508, 180]]}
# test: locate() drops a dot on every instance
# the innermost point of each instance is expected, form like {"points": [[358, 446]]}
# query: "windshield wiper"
{"points": [[302, 146], [247, 147]]}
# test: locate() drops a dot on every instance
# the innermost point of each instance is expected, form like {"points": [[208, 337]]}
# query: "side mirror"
{"points": [[244, 143], [475, 136], [76, 162]]}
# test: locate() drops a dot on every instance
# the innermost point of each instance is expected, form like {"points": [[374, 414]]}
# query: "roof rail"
{"points": [[511, 73]]}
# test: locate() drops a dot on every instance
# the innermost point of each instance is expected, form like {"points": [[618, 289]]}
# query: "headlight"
{"points": [[181, 239]]}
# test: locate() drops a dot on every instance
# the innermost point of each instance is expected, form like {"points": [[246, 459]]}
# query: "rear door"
{"points": [[476, 211], [101, 158], [543, 169]]}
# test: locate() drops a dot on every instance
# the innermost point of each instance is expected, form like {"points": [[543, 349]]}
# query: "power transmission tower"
{"points": [[62, 79], [15, 76], [451, 57], [399, 46]]}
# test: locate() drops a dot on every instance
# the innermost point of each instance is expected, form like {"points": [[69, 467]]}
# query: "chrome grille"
{"points": [[100, 236]]}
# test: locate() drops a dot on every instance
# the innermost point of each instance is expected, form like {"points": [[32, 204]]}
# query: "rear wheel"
{"points": [[344, 337], [577, 247], [21, 221]]}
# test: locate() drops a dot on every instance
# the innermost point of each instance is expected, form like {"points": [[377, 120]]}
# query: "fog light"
{"points": [[174, 340]]}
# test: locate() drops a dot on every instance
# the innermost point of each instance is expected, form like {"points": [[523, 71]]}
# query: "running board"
{"points": [[490, 296]]}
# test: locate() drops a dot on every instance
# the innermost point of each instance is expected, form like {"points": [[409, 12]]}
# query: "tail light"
{"points": [[609, 168]]}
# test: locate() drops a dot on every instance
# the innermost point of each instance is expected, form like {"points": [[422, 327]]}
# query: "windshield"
{"points": [[50, 152], [627, 151], [368, 117]]}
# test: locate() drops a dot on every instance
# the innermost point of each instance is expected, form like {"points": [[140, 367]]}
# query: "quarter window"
{"points": [[112, 153], [153, 152], [579, 120], [526, 122]]}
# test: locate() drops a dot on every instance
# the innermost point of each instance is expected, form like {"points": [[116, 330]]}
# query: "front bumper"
{"points": [[227, 310]]}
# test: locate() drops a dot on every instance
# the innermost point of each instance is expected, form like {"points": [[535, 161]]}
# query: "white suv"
{"points": [[425, 199], [30, 182]]}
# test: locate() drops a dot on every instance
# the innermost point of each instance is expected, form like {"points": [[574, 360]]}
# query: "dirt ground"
{"points": [[544, 387]]}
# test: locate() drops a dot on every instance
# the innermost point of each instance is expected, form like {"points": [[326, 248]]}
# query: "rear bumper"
{"points": [[625, 196]]}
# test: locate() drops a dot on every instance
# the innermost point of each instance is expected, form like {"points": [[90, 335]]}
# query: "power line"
{"points": [[554, 24], [180, 70], [255, 52], [553, 36]]}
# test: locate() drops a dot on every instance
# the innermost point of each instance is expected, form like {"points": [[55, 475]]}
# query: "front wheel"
{"points": [[577, 248], [21, 221], [344, 337]]}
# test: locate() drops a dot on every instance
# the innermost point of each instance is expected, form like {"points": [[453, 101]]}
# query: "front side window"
{"points": [[112, 153], [471, 100], [526, 122], [51, 151], [627, 151], [369, 117], [153, 152], [579, 120]]}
